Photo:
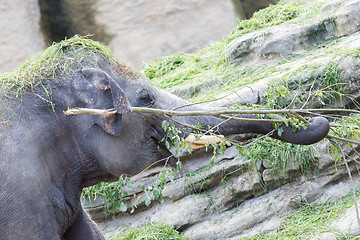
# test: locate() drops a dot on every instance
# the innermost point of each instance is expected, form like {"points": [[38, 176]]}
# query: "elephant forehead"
{"points": [[125, 71]]}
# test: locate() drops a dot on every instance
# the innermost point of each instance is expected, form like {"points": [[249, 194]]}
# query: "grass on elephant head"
{"points": [[64, 57], [151, 232], [50, 66]]}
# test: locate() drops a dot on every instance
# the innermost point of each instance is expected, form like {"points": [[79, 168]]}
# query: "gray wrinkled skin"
{"points": [[47, 158]]}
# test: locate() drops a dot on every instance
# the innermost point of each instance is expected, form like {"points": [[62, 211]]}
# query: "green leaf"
{"points": [[123, 207], [147, 201], [213, 159], [280, 130], [157, 193], [178, 166], [165, 125], [167, 145]]}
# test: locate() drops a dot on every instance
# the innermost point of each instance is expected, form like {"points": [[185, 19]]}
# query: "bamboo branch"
{"points": [[222, 113], [216, 113]]}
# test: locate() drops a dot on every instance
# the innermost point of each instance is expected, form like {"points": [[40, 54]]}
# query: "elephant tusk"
{"points": [[197, 143]]}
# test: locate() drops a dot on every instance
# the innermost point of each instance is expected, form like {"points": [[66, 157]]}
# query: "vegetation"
{"points": [[114, 194], [309, 221], [279, 155], [319, 89], [151, 232], [208, 69]]}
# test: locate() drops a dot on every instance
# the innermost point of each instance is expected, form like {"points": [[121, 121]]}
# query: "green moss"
{"points": [[151, 232]]}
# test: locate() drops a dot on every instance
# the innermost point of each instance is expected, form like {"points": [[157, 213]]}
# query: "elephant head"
{"points": [[135, 138]]}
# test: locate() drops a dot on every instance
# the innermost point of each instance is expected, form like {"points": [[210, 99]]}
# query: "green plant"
{"points": [[267, 17], [317, 90], [163, 66], [114, 194], [333, 88], [174, 138], [151, 232], [116, 197], [63, 58], [347, 127], [308, 220], [279, 154], [166, 175], [278, 95]]}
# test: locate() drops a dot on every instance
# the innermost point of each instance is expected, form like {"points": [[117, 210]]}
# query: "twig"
{"points": [[214, 100], [343, 139]]}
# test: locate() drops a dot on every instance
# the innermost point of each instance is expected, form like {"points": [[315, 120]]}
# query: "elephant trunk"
{"points": [[317, 129]]}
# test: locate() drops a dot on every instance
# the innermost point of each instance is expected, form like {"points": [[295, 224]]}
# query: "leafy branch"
{"points": [[215, 113]]}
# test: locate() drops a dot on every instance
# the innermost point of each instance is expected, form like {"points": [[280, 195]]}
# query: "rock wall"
{"points": [[235, 198], [20, 31], [135, 31], [142, 31]]}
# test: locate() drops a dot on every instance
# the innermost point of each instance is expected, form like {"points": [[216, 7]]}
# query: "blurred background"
{"points": [[136, 31]]}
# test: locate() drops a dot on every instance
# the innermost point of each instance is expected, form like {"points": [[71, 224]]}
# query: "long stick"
{"points": [[218, 113], [106, 112], [222, 113]]}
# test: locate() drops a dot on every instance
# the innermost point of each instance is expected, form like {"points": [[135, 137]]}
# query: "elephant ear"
{"points": [[104, 82], [98, 90]]}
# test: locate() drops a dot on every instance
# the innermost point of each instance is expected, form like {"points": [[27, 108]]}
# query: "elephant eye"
{"points": [[145, 99]]}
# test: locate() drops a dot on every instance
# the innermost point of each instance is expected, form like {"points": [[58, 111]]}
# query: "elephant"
{"points": [[47, 157]]}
